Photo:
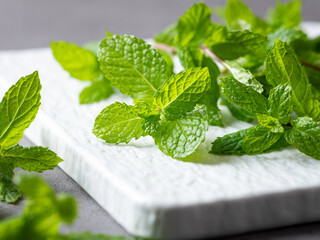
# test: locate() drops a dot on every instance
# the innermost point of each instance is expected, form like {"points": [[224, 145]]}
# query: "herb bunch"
{"points": [[18, 109], [261, 69]]}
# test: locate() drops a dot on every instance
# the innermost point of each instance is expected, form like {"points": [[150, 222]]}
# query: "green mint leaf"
{"points": [[195, 25], [181, 137], [230, 144], [280, 102], [168, 58], [167, 36], [283, 66], [190, 56], [305, 136], [18, 109], [9, 192], [244, 75], [118, 123], [36, 159], [133, 66], [182, 92], [79, 62], [285, 35], [271, 123], [243, 96], [229, 45], [287, 15], [99, 89], [259, 139], [238, 112]]}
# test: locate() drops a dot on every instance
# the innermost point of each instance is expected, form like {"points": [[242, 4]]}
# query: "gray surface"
{"points": [[34, 23]]}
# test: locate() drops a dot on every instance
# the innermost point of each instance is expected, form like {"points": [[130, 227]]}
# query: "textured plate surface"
{"points": [[151, 194]]}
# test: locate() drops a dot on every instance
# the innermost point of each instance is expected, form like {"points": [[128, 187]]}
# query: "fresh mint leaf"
{"points": [[283, 66], [243, 96], [79, 62], [168, 58], [18, 109], [37, 159], [285, 35], [181, 137], [195, 25], [244, 75], [229, 45], [133, 66], [238, 112], [287, 15], [99, 89], [182, 92], [118, 123], [280, 102], [259, 139], [271, 123], [167, 36], [305, 136]]}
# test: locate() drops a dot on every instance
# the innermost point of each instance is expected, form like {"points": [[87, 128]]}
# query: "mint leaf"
{"points": [[18, 109], [287, 15], [168, 58], [99, 89], [167, 36], [285, 35], [238, 112], [181, 137], [182, 92], [118, 123], [8, 190], [280, 102], [244, 75], [259, 139], [195, 25], [305, 136], [229, 45], [79, 62], [271, 123], [133, 66], [232, 144], [243, 96], [283, 66], [36, 159]]}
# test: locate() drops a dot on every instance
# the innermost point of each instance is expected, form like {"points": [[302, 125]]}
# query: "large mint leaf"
{"points": [[270, 122], [259, 139], [230, 45], [18, 109], [99, 89], [243, 96], [167, 36], [283, 66], [133, 66], [37, 159], [244, 75], [182, 91], [79, 62], [182, 137], [118, 123], [9, 192], [287, 15], [280, 102], [195, 25], [305, 136]]}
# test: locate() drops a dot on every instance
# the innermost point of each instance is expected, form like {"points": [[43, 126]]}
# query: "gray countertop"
{"points": [[34, 23]]}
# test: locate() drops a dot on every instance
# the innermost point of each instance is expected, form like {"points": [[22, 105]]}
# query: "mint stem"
{"points": [[308, 64], [165, 47]]}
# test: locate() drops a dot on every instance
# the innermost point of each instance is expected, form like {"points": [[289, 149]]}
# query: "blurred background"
{"points": [[34, 23]]}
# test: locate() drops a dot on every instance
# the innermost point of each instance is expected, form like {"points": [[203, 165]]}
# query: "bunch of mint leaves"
{"points": [[43, 214], [18, 109], [264, 70]]}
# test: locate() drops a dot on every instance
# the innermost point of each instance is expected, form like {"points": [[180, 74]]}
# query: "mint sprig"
{"points": [[18, 109]]}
